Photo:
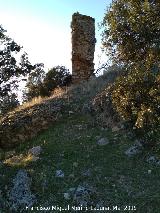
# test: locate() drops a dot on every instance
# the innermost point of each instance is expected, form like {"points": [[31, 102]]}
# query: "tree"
{"points": [[8, 103], [34, 86], [131, 31], [10, 69], [58, 76], [131, 37], [42, 84]]}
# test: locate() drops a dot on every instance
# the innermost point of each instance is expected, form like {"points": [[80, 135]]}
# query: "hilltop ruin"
{"points": [[83, 47]]}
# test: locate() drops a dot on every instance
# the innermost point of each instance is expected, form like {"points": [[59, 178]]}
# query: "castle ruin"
{"points": [[83, 47]]}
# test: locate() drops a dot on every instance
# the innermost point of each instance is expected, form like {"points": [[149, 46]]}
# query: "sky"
{"points": [[42, 27]]}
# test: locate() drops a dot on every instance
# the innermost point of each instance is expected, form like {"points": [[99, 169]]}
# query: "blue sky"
{"points": [[42, 27]]}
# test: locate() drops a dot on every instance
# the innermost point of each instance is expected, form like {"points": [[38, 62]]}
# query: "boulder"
{"points": [[35, 150], [82, 195], [59, 173], [134, 150], [103, 141], [153, 160], [20, 194]]}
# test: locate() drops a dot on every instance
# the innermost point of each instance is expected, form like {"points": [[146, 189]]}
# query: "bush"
{"points": [[136, 98], [58, 76], [131, 31], [8, 103], [131, 38], [41, 84]]}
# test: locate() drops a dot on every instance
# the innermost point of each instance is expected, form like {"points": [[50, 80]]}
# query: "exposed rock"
{"points": [[81, 190], [69, 194], [59, 173], [103, 142], [20, 195], [153, 160], [105, 113], [115, 129], [18, 126], [35, 150], [87, 173], [70, 112], [135, 149], [83, 194]]}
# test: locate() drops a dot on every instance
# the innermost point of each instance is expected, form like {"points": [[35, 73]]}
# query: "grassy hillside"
{"points": [[28, 120], [97, 175], [71, 146]]}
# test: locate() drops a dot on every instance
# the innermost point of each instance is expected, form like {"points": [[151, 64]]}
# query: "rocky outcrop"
{"points": [[83, 47], [23, 124], [105, 114], [83, 195], [20, 195], [134, 149], [18, 126], [36, 150]]}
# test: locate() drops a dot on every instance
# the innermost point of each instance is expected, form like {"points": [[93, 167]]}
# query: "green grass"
{"points": [[71, 146]]}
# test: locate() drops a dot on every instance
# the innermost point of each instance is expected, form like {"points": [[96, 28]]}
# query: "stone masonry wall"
{"points": [[83, 47]]}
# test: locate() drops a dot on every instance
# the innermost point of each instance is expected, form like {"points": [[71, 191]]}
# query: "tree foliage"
{"points": [[42, 84], [132, 31], [10, 69], [8, 103], [131, 37], [34, 86], [58, 76], [137, 97]]}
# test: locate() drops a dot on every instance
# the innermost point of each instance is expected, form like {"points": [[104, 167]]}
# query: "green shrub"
{"points": [[58, 76], [8, 103], [131, 38], [42, 84], [136, 98]]}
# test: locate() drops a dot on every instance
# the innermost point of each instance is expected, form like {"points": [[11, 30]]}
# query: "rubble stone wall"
{"points": [[19, 126], [83, 47]]}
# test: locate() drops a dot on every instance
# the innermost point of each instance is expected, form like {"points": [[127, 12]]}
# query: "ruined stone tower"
{"points": [[83, 47]]}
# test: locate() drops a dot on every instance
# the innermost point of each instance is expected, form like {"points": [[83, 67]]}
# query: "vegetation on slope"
{"points": [[131, 36], [71, 146], [29, 119], [108, 177]]}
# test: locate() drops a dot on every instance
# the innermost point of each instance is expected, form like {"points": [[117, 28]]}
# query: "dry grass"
{"points": [[57, 93], [78, 93], [19, 160]]}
